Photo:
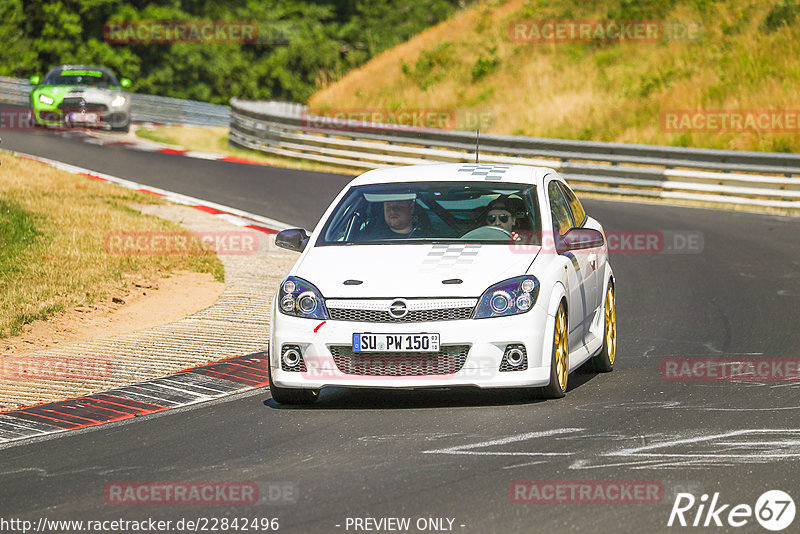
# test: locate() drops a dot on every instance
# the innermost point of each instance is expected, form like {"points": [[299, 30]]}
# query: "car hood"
{"points": [[92, 95], [389, 271]]}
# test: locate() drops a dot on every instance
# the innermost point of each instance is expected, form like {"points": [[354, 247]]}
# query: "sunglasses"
{"points": [[503, 218]]}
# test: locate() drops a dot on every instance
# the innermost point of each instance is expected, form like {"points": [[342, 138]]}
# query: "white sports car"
{"points": [[444, 276]]}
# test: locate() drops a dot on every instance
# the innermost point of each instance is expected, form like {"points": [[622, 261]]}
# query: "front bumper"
{"points": [[56, 117], [487, 340]]}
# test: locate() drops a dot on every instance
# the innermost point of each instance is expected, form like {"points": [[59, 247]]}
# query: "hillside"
{"points": [[743, 56]]}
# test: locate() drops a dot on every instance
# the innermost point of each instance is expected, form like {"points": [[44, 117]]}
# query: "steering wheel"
{"points": [[489, 233]]}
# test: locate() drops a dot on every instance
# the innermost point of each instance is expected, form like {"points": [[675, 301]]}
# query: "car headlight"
{"points": [[509, 297], [118, 101], [44, 99], [300, 298]]}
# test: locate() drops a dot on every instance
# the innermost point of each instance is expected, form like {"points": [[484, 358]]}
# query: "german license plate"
{"points": [[90, 118], [367, 342]]}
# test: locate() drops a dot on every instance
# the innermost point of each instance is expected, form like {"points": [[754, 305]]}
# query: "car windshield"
{"points": [[90, 77], [424, 212]]}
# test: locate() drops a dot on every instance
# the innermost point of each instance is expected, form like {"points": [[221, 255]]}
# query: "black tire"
{"points": [[559, 358], [290, 395], [604, 361], [124, 128]]}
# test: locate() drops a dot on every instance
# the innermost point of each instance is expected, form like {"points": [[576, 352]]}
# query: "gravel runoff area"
{"points": [[238, 323]]}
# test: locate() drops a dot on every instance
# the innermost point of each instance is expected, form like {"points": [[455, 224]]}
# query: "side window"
{"points": [[562, 218], [578, 213]]}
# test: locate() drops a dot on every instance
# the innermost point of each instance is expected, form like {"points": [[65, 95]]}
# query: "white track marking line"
{"points": [[467, 449]]}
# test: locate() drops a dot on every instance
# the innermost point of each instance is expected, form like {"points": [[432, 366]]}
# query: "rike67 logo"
{"points": [[774, 510]]}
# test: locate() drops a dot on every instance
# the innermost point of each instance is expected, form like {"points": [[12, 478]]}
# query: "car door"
{"points": [[577, 267], [592, 281]]}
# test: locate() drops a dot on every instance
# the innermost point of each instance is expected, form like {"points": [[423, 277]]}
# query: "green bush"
{"points": [[485, 65], [782, 14], [431, 65]]}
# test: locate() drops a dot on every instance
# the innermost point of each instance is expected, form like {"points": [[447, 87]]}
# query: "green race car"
{"points": [[79, 95]]}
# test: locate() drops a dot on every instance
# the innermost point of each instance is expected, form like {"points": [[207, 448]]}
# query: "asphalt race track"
{"points": [[455, 454]]}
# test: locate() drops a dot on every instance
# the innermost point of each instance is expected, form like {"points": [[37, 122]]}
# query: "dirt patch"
{"points": [[142, 303]]}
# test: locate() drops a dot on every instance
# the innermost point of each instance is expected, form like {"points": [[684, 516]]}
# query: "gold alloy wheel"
{"points": [[560, 348], [611, 325]]}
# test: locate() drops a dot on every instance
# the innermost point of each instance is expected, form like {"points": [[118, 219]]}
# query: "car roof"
{"points": [[456, 172]]}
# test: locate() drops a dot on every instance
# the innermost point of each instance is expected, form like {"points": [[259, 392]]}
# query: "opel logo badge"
{"points": [[398, 309]]}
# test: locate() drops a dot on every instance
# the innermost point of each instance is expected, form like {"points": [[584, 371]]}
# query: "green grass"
{"points": [[150, 134], [53, 227], [17, 232]]}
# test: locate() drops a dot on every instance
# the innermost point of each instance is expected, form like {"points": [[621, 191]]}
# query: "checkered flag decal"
{"points": [[489, 171], [447, 257]]}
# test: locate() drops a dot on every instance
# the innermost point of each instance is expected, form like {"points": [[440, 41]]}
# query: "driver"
{"points": [[399, 216], [399, 219], [502, 212]]}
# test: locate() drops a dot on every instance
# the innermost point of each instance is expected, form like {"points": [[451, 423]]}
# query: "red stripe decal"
{"points": [[234, 159], [261, 229], [41, 419], [208, 209], [142, 407], [89, 406], [232, 378], [151, 192], [93, 177]]}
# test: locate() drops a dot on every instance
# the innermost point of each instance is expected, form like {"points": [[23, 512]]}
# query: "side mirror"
{"points": [[125, 82], [35, 79], [293, 239], [581, 238]]}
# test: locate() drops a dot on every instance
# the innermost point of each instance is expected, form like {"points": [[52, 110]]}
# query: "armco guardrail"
{"points": [[720, 176], [144, 108]]}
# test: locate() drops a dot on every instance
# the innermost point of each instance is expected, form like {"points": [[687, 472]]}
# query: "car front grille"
{"points": [[78, 104], [377, 316], [419, 310], [449, 360]]}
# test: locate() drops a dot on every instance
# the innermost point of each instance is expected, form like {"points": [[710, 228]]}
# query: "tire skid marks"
{"points": [[692, 449], [185, 388]]}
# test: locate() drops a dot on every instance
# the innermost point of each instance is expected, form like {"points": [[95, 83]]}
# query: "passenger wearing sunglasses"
{"points": [[501, 213]]}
